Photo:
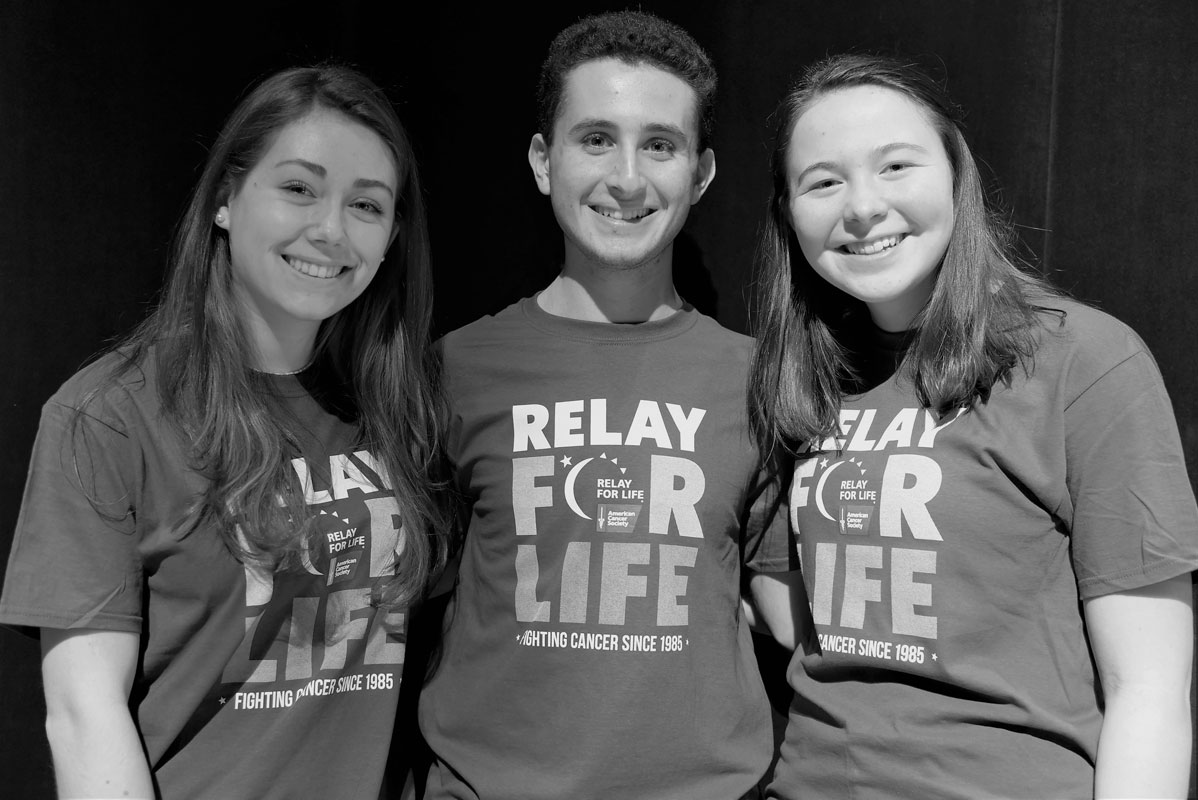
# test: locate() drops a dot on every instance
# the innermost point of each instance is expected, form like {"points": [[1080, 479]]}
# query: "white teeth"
{"points": [[621, 214], [314, 270], [876, 246]]}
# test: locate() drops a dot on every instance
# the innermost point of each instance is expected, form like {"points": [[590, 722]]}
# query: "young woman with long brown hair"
{"points": [[995, 525], [228, 513]]}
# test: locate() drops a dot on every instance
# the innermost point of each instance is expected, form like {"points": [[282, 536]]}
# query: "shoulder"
{"points": [[1085, 344], [707, 328], [1082, 332], [717, 344], [110, 388], [1090, 327], [485, 331]]}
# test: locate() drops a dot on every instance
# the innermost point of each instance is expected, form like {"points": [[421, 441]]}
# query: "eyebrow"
{"points": [[652, 127], [882, 150], [317, 169]]}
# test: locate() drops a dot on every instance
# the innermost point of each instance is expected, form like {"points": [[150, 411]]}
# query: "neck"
{"points": [[603, 294], [281, 350]]}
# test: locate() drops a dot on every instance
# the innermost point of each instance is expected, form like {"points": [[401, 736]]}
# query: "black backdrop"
{"points": [[1081, 110]]}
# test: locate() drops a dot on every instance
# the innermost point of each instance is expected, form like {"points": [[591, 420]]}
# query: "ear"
{"points": [[704, 175], [538, 159]]}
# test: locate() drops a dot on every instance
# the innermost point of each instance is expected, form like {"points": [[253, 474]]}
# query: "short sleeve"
{"points": [[1134, 518], [74, 561]]}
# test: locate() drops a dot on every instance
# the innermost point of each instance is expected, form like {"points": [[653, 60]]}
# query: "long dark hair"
{"points": [[375, 352], [979, 324]]}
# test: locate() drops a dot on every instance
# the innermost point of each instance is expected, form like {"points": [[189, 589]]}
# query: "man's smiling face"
{"points": [[623, 167]]}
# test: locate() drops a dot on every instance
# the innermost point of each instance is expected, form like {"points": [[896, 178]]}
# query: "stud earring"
{"points": [[220, 218]]}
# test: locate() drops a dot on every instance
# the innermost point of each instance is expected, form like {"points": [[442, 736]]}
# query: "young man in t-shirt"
{"points": [[595, 645]]}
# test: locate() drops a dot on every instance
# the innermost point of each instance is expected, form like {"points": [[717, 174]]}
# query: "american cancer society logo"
{"points": [[617, 517]]}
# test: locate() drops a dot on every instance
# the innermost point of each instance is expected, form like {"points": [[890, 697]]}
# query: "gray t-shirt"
{"points": [[252, 683], [595, 646], [945, 559]]}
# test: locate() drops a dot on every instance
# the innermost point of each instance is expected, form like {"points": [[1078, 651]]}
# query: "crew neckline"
{"points": [[677, 323], [878, 355], [287, 384], [893, 342]]}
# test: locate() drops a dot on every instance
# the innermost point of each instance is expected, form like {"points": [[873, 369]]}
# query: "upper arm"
{"points": [[1130, 508], [766, 540], [76, 558], [96, 746], [1143, 638], [778, 598], [87, 669]]}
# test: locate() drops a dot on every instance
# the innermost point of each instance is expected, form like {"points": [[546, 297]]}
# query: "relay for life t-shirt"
{"points": [[252, 683], [594, 645]]}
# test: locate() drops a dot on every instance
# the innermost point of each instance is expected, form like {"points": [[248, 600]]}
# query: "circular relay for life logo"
{"points": [[600, 489], [847, 496]]}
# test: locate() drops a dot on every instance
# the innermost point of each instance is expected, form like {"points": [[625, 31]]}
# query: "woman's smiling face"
{"points": [[871, 198], [310, 224]]}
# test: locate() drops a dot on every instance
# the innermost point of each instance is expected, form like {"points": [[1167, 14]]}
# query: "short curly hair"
{"points": [[634, 37]]}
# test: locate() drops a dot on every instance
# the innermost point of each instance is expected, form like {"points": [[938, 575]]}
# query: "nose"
{"points": [[626, 177], [328, 226], [866, 203]]}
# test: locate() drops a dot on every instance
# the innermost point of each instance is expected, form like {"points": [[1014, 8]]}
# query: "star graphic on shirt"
{"points": [[823, 463], [935, 657], [566, 461], [222, 701]]}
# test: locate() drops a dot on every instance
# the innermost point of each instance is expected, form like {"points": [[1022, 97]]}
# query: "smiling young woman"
{"points": [[871, 200], [998, 573], [307, 232], [228, 514]]}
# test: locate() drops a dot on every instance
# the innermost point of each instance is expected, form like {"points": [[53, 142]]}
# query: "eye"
{"points": [[895, 168], [661, 147], [298, 187], [595, 141], [821, 184], [369, 206]]}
